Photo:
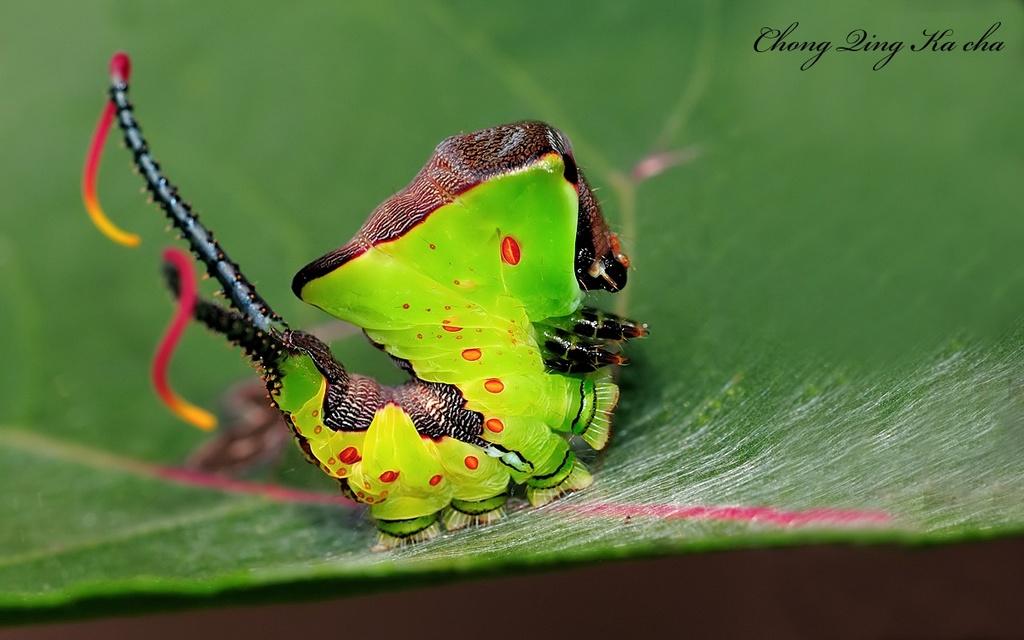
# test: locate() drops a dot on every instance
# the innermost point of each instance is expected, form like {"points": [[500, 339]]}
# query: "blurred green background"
{"points": [[833, 279]]}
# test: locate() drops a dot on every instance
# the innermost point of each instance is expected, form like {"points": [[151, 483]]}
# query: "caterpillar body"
{"points": [[472, 278]]}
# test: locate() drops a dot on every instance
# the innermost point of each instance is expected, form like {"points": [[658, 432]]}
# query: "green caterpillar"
{"points": [[472, 278]]}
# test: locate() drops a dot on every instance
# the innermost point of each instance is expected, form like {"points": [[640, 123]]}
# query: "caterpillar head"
{"points": [[600, 262]]}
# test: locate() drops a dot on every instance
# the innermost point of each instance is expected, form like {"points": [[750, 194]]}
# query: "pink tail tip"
{"points": [[120, 67]]}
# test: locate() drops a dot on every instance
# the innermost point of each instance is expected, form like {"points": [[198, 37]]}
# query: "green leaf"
{"points": [[833, 278]]}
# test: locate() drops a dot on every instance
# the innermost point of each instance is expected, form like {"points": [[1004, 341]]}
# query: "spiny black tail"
{"points": [[239, 290], [265, 349]]}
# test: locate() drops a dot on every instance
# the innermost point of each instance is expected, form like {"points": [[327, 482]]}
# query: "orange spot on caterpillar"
{"points": [[350, 455], [419, 336], [331, 462], [315, 413], [389, 476], [510, 251], [471, 354], [494, 425], [317, 429], [405, 306], [432, 245], [494, 385], [451, 328], [435, 480], [471, 462]]}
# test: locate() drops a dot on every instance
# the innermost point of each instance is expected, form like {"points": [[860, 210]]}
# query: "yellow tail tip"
{"points": [[108, 228], [195, 416]]}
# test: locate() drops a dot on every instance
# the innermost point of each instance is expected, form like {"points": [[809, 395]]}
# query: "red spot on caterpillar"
{"points": [[494, 425], [471, 462], [435, 480], [510, 251], [350, 455], [389, 476], [471, 354], [494, 385], [405, 306], [451, 328]]}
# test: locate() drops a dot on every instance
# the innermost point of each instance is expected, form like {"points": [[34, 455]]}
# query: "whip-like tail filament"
{"points": [[119, 70], [238, 289], [186, 291]]}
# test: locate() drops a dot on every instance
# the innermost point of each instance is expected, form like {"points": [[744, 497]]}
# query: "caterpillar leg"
{"points": [[392, 534], [557, 471], [568, 352], [591, 402], [464, 513], [596, 324], [568, 475], [595, 426]]}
